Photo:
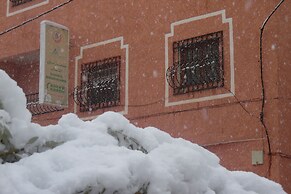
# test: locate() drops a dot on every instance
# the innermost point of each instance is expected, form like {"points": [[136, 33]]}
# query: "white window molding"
{"points": [[9, 13], [231, 57], [122, 46]]}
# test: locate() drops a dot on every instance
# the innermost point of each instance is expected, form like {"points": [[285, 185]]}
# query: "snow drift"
{"points": [[108, 155]]}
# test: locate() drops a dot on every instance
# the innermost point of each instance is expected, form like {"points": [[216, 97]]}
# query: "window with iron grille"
{"points": [[18, 2], [100, 87], [197, 64]]}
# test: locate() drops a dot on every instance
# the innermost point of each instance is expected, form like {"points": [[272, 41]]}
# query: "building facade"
{"points": [[191, 68]]}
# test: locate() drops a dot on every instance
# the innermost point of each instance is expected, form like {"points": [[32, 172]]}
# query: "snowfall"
{"points": [[108, 155]]}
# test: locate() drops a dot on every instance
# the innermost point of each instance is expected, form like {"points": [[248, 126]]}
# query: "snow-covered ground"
{"points": [[107, 155]]}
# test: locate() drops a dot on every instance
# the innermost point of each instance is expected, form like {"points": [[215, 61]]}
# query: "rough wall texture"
{"points": [[138, 32]]}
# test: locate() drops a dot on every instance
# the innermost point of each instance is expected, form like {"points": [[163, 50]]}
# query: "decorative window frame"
{"points": [[124, 47], [11, 11], [229, 93]]}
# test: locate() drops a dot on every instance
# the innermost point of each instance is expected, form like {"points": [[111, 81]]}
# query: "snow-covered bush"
{"points": [[107, 155]]}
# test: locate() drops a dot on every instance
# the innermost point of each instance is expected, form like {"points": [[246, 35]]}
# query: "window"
{"points": [[18, 2], [100, 86], [197, 64], [15, 7]]}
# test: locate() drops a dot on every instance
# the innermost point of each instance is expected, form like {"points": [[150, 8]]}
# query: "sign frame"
{"points": [[54, 64]]}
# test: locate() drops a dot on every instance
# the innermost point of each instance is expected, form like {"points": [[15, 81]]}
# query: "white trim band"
{"points": [[122, 46], [8, 13], [231, 55]]}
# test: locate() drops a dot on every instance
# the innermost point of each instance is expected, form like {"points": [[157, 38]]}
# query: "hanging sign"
{"points": [[54, 63]]}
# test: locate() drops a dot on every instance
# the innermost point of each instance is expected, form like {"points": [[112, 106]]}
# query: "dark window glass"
{"points": [[18, 2], [100, 87], [198, 63]]}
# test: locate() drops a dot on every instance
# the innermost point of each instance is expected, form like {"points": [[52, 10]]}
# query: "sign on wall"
{"points": [[54, 63]]}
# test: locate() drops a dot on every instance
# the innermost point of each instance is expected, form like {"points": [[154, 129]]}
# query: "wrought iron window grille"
{"points": [[35, 108], [100, 85], [19, 2], [197, 64]]}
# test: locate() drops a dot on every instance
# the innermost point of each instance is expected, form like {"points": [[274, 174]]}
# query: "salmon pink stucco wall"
{"points": [[225, 120]]}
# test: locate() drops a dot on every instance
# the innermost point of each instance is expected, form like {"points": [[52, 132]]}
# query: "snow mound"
{"points": [[13, 98], [110, 155]]}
